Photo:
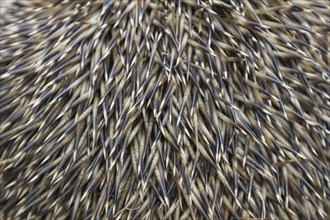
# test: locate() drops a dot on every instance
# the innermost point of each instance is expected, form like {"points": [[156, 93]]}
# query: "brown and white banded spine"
{"points": [[164, 109]]}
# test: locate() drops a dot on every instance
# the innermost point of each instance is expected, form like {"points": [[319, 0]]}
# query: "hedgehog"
{"points": [[164, 109]]}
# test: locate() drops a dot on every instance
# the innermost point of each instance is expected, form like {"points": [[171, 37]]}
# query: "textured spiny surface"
{"points": [[185, 109]]}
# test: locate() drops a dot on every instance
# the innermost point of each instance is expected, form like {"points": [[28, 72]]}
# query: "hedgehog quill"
{"points": [[163, 109]]}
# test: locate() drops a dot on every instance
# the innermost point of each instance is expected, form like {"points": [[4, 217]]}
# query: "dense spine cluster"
{"points": [[164, 109]]}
